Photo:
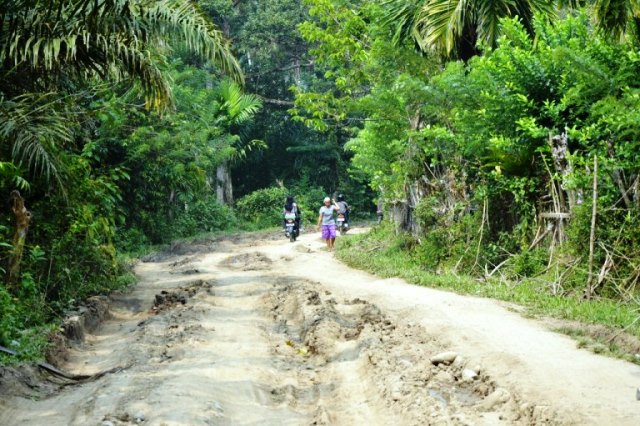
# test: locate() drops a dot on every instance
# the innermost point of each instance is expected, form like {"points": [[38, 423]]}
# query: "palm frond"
{"points": [[443, 22], [402, 16], [93, 37], [239, 107], [488, 14], [443, 25], [242, 149], [180, 17], [34, 127], [614, 15], [526, 10]]}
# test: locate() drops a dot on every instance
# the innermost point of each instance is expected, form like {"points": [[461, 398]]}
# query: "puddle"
{"points": [[433, 393]]}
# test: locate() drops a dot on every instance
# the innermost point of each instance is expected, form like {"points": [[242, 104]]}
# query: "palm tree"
{"points": [[105, 38], [236, 108], [48, 46], [453, 27], [618, 17], [34, 124]]}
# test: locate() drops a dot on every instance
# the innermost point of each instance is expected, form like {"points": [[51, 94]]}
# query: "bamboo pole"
{"points": [[592, 237]]}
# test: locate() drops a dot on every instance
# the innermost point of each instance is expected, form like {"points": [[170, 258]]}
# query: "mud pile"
{"points": [[167, 299], [255, 261], [400, 366]]}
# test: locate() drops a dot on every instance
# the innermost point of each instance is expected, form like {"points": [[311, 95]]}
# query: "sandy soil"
{"points": [[263, 331]]}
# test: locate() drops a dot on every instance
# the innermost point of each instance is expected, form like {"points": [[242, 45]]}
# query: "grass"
{"points": [[382, 253], [603, 341], [30, 345]]}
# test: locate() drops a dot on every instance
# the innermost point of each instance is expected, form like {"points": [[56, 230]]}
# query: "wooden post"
{"points": [[23, 218], [592, 238]]}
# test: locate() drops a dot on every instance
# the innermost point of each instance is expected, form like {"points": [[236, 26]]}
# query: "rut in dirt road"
{"points": [[223, 334]]}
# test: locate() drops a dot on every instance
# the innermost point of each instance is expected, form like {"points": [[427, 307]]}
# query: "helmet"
{"points": [[340, 197]]}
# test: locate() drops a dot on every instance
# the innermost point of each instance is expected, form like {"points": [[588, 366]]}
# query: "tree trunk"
{"points": [[415, 193], [23, 218], [560, 153], [564, 199], [401, 215], [403, 211], [297, 74], [224, 186]]}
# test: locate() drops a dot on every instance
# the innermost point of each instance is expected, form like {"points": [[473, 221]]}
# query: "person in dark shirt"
{"points": [[290, 206], [344, 208]]}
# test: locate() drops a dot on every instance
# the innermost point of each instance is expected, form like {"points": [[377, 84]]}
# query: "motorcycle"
{"points": [[342, 224], [291, 230]]}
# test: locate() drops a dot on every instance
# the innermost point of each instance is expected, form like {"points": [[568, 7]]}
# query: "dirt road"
{"points": [[246, 331]]}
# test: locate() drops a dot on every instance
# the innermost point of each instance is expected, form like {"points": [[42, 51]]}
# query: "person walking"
{"points": [[328, 223]]}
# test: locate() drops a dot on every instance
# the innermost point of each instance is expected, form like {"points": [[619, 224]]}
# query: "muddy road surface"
{"points": [[257, 330]]}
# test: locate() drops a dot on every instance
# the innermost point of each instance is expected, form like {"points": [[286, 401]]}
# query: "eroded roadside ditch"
{"points": [[216, 335]]}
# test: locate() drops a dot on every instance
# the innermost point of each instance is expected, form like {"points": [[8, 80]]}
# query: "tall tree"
{"points": [[237, 108], [276, 58]]}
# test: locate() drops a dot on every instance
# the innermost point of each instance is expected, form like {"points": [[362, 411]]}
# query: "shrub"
{"points": [[262, 208], [529, 262], [206, 215], [131, 240], [177, 221]]}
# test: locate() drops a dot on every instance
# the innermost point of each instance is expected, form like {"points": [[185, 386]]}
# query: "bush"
{"points": [[529, 262], [9, 317], [262, 208], [206, 215], [177, 221], [426, 213], [131, 240]]}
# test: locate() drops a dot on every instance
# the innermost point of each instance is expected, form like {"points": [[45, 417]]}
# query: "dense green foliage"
{"points": [[457, 27], [489, 162], [171, 159], [120, 129]]}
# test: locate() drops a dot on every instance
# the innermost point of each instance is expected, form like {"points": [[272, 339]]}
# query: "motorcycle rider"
{"points": [[290, 206], [344, 208]]}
